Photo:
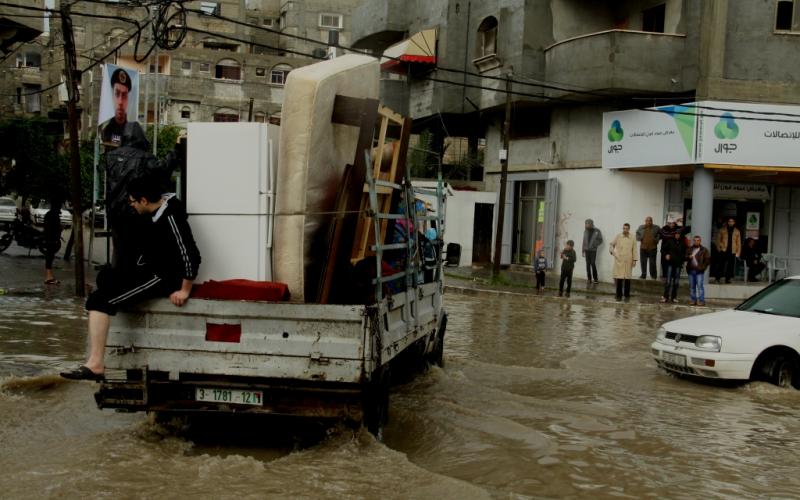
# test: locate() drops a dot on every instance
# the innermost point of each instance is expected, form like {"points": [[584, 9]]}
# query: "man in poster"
{"points": [[121, 86]]}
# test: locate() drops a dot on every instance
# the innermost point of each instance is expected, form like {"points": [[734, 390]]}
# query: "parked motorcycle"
{"points": [[26, 236]]}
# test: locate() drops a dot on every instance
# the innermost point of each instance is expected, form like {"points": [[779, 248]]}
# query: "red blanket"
{"points": [[241, 289]]}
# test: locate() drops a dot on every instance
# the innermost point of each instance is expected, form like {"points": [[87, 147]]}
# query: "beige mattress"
{"points": [[312, 156]]}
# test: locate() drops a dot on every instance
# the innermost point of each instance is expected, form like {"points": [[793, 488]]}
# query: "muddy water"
{"points": [[537, 400]]}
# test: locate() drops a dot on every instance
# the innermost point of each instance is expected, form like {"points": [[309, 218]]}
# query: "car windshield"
{"points": [[5, 202], [781, 299]]}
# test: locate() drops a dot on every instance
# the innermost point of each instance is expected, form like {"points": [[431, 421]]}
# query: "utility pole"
{"points": [[250, 110], [501, 208], [73, 76]]}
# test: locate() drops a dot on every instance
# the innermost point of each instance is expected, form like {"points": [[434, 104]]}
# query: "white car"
{"points": [[8, 209], [758, 340], [39, 212]]}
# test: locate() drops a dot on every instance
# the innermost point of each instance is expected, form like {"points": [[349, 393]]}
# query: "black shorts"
{"points": [[117, 287]]}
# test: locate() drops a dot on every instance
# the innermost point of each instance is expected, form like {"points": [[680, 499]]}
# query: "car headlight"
{"points": [[661, 334], [708, 342]]}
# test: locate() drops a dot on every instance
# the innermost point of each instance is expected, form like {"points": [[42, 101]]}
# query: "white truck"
{"points": [[319, 360]]}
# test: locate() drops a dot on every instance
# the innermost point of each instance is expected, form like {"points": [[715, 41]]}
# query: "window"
{"points": [[783, 19], [279, 73], [226, 115], [32, 98], [252, 20], [211, 8], [186, 65], [186, 112], [487, 37], [653, 18], [152, 68], [330, 21], [204, 67], [29, 60], [228, 69], [260, 117], [261, 71], [269, 22], [212, 44], [115, 37]]}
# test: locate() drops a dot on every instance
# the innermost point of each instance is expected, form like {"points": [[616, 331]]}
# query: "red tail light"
{"points": [[223, 333]]}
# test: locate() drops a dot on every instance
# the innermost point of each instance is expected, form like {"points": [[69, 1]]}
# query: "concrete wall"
{"points": [[610, 199]]}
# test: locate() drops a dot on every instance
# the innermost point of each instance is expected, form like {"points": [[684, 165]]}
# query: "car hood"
{"points": [[732, 324]]}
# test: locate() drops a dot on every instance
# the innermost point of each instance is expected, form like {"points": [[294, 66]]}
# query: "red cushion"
{"points": [[242, 290]]}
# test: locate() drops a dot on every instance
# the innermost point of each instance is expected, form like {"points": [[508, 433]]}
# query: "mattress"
{"points": [[312, 157]]}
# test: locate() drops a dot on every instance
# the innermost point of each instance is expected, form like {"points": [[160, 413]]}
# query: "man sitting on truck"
{"points": [[166, 267]]}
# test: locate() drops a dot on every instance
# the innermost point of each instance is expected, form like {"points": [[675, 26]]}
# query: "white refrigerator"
{"points": [[229, 198]]}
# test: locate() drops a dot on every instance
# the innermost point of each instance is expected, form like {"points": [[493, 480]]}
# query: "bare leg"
{"points": [[99, 323]]}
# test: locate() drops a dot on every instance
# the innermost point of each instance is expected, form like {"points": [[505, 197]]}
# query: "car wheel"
{"points": [[782, 371]]}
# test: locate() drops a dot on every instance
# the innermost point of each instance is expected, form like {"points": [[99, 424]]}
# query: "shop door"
{"points": [[529, 219], [482, 233]]}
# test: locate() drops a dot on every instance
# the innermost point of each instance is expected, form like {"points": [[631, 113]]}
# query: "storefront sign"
{"points": [[733, 191], [712, 132]]}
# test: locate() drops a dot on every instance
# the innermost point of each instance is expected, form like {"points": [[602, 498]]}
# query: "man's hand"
{"points": [[179, 298], [666, 257]]}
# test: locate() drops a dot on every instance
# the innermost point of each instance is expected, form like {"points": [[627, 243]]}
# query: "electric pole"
{"points": [[73, 79], [501, 208]]}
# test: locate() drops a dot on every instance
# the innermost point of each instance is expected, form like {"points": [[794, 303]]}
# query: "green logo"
{"points": [[615, 133], [726, 128]]}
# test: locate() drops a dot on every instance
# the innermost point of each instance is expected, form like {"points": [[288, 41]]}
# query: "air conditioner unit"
{"points": [[320, 53]]}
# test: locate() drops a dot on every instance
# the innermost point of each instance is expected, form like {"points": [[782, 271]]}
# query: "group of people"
{"points": [[677, 252]]}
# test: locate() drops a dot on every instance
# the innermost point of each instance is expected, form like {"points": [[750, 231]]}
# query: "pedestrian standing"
{"points": [[697, 260], [673, 252], [647, 235], [592, 238], [52, 240], [729, 248], [623, 248], [568, 258], [540, 267]]}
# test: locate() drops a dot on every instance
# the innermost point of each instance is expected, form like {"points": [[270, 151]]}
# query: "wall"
{"points": [[610, 199]]}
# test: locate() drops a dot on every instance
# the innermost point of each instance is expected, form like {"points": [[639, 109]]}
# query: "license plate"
{"points": [[232, 396], [675, 359]]}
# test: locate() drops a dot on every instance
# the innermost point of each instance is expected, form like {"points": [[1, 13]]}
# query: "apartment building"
{"points": [[569, 63], [219, 68], [23, 34]]}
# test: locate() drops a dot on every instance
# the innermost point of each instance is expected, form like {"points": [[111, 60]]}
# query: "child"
{"points": [[539, 266], [568, 259]]}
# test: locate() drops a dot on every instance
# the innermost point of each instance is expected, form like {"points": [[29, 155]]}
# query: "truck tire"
{"points": [[376, 402], [436, 356]]}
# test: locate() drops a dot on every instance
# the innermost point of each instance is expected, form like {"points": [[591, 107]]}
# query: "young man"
{"points": [[697, 260], [623, 248], [568, 259], [166, 267], [673, 251], [121, 86], [592, 238]]}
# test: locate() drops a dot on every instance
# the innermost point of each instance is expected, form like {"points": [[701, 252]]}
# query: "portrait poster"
{"points": [[119, 102]]}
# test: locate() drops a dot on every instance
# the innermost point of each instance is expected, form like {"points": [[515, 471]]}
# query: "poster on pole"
{"points": [[119, 102]]}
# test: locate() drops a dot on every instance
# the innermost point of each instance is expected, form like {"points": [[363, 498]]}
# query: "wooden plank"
{"points": [[334, 236]]}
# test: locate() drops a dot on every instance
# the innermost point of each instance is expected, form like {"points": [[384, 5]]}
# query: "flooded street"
{"points": [[538, 399]]}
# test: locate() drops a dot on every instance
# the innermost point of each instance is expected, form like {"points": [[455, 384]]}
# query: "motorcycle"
{"points": [[26, 236]]}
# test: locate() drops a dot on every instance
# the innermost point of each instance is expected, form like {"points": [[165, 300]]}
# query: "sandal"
{"points": [[51, 281], [82, 373]]}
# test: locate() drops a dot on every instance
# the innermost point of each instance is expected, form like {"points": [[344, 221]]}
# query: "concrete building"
{"points": [[23, 33], [569, 62], [220, 66]]}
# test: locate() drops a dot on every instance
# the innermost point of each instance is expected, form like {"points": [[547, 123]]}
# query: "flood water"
{"points": [[538, 399]]}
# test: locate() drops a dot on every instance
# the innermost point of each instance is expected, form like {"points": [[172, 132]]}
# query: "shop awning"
{"points": [[420, 48]]}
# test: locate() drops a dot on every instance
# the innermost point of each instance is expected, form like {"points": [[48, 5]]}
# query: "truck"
{"points": [[319, 358]]}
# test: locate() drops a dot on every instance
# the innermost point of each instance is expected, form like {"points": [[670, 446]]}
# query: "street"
{"points": [[539, 397]]}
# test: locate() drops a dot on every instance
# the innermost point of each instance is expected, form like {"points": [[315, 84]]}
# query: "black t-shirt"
{"points": [[112, 132]]}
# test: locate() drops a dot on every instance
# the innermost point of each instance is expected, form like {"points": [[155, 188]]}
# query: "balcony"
{"points": [[620, 60], [378, 24]]}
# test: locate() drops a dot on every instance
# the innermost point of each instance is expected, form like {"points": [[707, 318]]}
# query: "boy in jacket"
{"points": [[540, 267], [568, 258], [165, 267]]}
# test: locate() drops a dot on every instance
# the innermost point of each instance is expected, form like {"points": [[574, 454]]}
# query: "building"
{"points": [[219, 68], [23, 34], [567, 62]]}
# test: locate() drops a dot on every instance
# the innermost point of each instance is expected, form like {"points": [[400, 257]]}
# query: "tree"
{"points": [[33, 168], [167, 135]]}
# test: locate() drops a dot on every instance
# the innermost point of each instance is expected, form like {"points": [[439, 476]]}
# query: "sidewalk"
{"points": [[521, 281]]}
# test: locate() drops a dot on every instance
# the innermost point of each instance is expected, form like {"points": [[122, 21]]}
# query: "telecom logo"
{"points": [[726, 129], [615, 133]]}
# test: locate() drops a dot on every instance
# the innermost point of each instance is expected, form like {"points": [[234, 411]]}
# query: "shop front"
{"points": [[726, 161]]}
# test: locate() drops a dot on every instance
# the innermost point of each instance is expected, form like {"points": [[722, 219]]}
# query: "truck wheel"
{"points": [[5, 241], [436, 356], [376, 403]]}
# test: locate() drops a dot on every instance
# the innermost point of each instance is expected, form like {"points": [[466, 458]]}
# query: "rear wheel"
{"points": [[5, 241]]}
